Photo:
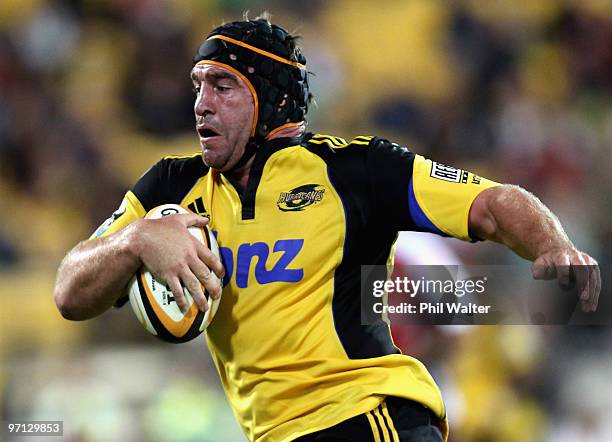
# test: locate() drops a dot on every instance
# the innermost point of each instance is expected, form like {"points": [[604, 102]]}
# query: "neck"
{"points": [[241, 174]]}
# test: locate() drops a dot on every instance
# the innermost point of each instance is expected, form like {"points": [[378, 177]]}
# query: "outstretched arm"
{"points": [[514, 217]]}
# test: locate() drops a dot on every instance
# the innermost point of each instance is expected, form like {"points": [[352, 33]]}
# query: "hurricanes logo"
{"points": [[301, 197]]}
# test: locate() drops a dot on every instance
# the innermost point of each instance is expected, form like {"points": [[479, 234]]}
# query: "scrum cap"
{"points": [[267, 58]]}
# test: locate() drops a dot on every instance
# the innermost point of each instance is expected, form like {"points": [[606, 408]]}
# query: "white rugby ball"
{"points": [[153, 303]]}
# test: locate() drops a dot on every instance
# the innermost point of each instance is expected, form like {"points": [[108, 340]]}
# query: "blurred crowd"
{"points": [[94, 92]]}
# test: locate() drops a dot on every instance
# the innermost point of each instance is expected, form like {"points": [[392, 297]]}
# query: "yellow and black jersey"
{"points": [[287, 340]]}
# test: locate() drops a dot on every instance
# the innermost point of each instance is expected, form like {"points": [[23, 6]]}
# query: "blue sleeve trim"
{"points": [[417, 214]]}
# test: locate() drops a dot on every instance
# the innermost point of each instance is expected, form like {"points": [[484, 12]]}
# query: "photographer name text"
{"points": [[432, 308]]}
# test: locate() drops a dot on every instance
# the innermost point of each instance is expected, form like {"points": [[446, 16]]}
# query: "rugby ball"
{"points": [[153, 303]]}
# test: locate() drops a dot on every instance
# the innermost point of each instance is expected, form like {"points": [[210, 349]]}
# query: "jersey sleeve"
{"points": [[168, 181], [440, 197], [136, 202], [415, 193], [129, 211]]}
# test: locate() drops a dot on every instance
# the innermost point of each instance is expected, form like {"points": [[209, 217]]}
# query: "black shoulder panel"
{"points": [[390, 171], [169, 180], [368, 241]]}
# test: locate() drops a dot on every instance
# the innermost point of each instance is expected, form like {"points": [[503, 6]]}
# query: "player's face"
{"points": [[224, 111]]}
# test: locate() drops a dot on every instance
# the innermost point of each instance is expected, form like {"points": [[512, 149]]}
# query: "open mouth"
{"points": [[206, 132]]}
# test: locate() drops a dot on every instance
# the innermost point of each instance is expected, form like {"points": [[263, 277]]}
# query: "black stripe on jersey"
{"points": [[368, 240], [207, 239], [199, 203], [247, 197], [169, 180]]}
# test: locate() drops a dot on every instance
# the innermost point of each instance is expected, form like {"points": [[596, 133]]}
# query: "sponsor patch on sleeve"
{"points": [[448, 173]]}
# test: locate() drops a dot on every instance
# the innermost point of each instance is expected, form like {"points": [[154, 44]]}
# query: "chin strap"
{"points": [[249, 151]]}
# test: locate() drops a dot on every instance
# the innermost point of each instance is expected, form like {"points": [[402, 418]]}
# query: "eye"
{"points": [[222, 88], [196, 89]]}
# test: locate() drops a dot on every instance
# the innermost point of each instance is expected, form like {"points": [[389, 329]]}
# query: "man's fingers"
{"points": [[196, 221], [588, 278], [191, 219], [195, 289], [590, 294], [184, 262], [562, 265], [593, 294], [572, 263], [210, 259], [177, 290], [596, 275], [543, 269], [581, 272], [209, 280]]}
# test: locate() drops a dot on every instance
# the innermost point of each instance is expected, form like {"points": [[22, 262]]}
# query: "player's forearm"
{"points": [[514, 217], [94, 274]]}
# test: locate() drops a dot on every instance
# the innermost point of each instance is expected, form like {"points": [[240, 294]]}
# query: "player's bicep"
{"points": [[440, 197]]}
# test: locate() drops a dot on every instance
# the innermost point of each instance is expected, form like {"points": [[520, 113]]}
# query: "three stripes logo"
{"points": [[382, 425], [198, 207]]}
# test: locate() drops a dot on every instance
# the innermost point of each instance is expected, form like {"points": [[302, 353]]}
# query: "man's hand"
{"points": [[569, 265], [171, 253], [512, 216]]}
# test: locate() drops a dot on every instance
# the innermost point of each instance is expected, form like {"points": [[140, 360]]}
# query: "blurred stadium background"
{"points": [[92, 92]]}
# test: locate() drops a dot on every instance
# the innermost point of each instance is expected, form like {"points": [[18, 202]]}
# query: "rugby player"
{"points": [[296, 214]]}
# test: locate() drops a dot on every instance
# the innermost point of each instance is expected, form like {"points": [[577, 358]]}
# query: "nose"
{"points": [[204, 101]]}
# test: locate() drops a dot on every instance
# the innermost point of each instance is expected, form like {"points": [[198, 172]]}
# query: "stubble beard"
{"points": [[210, 159], [215, 161]]}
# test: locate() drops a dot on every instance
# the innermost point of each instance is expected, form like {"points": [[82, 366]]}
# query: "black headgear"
{"points": [[267, 58]]}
